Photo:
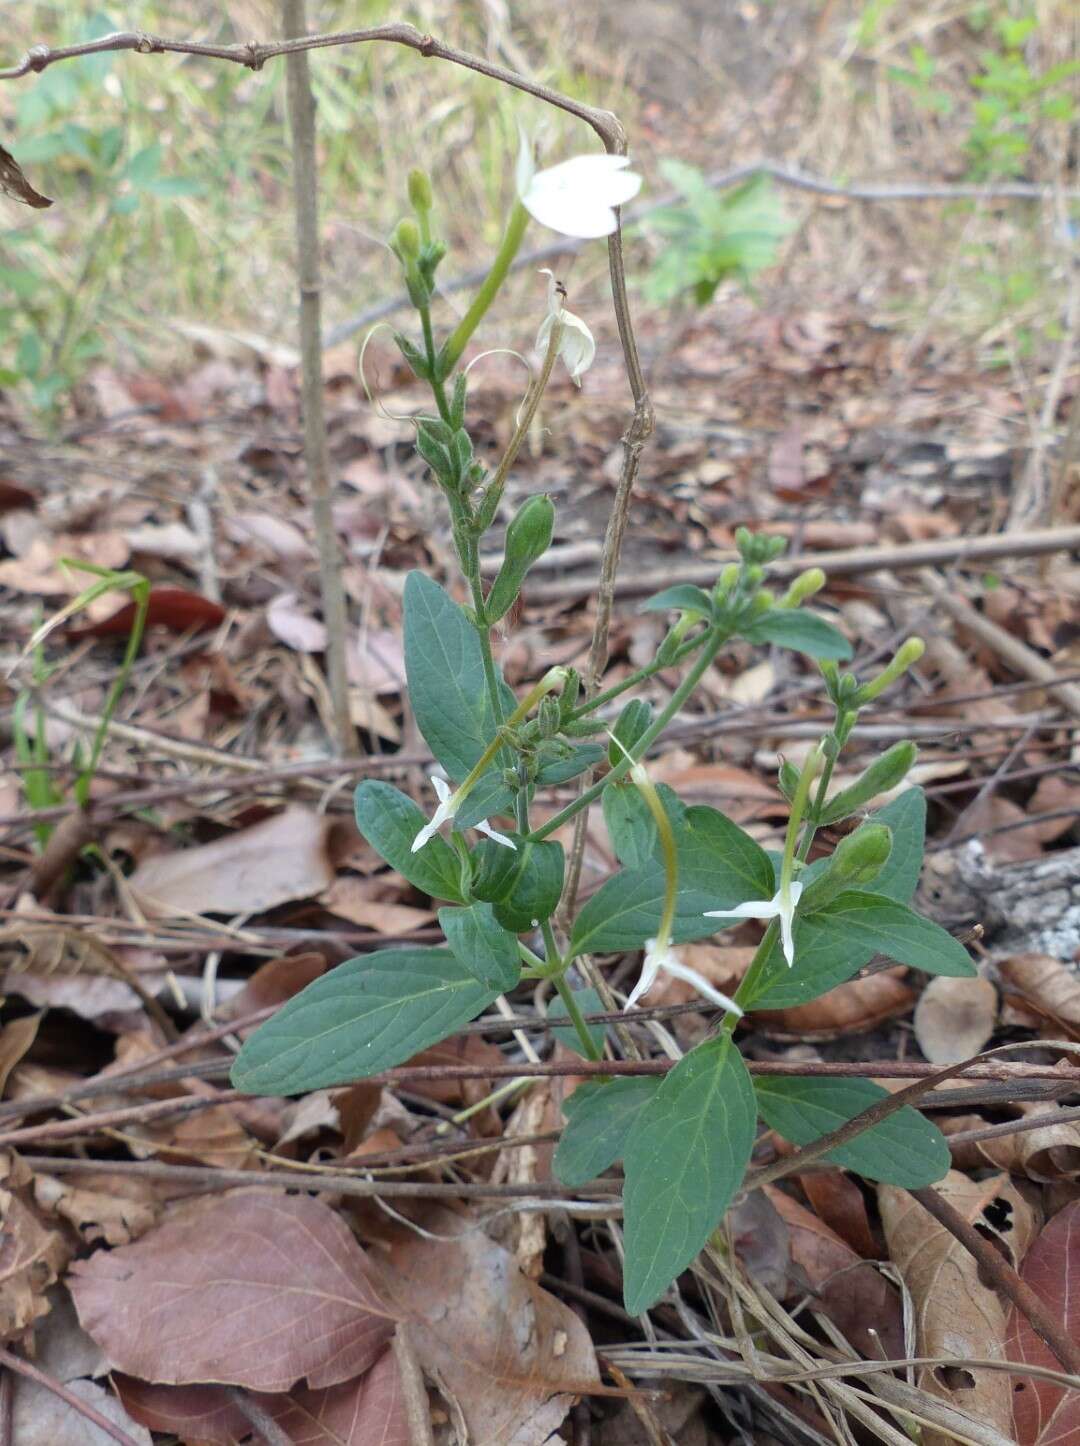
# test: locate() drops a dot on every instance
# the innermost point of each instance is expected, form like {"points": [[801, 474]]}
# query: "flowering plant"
{"points": [[686, 872]]}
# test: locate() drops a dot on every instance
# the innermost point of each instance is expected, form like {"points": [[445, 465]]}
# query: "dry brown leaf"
{"points": [[1044, 1413], [291, 622], [38, 570], [274, 982], [507, 1354], [850, 1008], [954, 1018], [70, 969], [256, 1289], [369, 1411], [1047, 1155], [115, 1209], [840, 1204], [848, 1289], [31, 1255], [15, 1040], [282, 858], [351, 898], [1045, 985], [956, 1314]]}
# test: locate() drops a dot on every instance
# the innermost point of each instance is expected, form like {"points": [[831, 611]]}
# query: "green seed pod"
{"points": [[435, 453], [420, 197], [907, 655], [549, 716], [857, 861], [883, 774], [528, 537], [630, 727]]}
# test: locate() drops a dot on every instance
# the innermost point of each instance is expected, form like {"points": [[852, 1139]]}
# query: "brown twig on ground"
{"points": [[316, 456], [417, 1405], [1010, 649], [846, 563], [257, 1416], [1003, 1277], [108, 1119], [15, 1363], [65, 845]]}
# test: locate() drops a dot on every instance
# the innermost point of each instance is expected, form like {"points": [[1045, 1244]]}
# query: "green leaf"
{"points": [[599, 1120], [483, 947], [884, 926], [905, 1149], [906, 817], [524, 884], [562, 770], [803, 631], [366, 1015], [445, 670], [390, 822], [684, 596], [631, 827], [684, 1160], [720, 865], [589, 1002]]}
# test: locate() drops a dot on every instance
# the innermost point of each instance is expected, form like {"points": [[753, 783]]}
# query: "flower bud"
{"points": [[907, 655], [630, 726], [528, 537], [549, 716], [420, 197], [788, 779], [883, 774], [727, 579], [763, 601], [405, 242], [856, 862], [416, 359], [804, 586]]}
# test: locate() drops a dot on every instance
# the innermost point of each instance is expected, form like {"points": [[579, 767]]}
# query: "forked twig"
{"points": [[23, 1368]]}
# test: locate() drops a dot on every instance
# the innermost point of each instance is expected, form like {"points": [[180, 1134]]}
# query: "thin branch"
{"points": [[259, 1417], [24, 1368], [1004, 1277], [316, 456]]}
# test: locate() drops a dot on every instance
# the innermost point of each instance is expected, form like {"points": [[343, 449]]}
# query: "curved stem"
{"points": [[459, 337]]}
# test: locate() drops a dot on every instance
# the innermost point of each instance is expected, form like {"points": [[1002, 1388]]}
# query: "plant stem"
{"points": [[301, 107], [715, 641], [141, 595], [598, 701], [744, 995], [458, 340], [437, 388]]}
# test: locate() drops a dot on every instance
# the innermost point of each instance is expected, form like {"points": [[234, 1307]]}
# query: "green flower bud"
{"points": [[727, 579], [435, 451], [415, 358], [788, 779], [803, 587], [754, 574], [405, 242], [908, 654], [856, 862], [883, 774], [549, 716], [457, 400], [420, 197], [571, 691], [528, 537], [762, 601], [630, 727]]}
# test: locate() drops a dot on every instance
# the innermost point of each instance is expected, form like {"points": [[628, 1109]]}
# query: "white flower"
{"points": [[448, 803], [576, 345], [781, 906], [659, 955], [576, 196]]}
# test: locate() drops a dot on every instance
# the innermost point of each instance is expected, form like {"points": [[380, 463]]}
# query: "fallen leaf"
{"points": [[62, 1349], [840, 1204], [376, 661], [115, 1209], [281, 537], [15, 1040], [956, 1314], [350, 898], [14, 183], [294, 625], [954, 1018], [172, 540], [282, 858], [174, 608], [274, 982], [368, 1411], [510, 1355], [1046, 985], [850, 1008], [41, 1418], [31, 1255], [1047, 1155], [1044, 1413], [255, 1289], [13, 497], [38, 570], [854, 1295]]}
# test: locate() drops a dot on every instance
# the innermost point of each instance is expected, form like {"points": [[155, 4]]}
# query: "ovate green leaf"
{"points": [[599, 1119], [390, 822], [483, 947]]}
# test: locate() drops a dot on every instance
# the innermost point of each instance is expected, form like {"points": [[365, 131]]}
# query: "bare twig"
{"points": [[846, 563], [1009, 648], [309, 266], [417, 1406], [23, 1368], [259, 1417], [1003, 1276]]}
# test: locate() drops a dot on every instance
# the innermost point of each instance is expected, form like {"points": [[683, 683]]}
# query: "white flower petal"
{"points": [[701, 984], [577, 347], [649, 970], [444, 811], [500, 838], [753, 909], [576, 196], [659, 957]]}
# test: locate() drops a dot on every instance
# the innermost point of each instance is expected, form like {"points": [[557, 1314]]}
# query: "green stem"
{"points": [[609, 694], [437, 388], [553, 678], [141, 595], [459, 337], [620, 770], [744, 995]]}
